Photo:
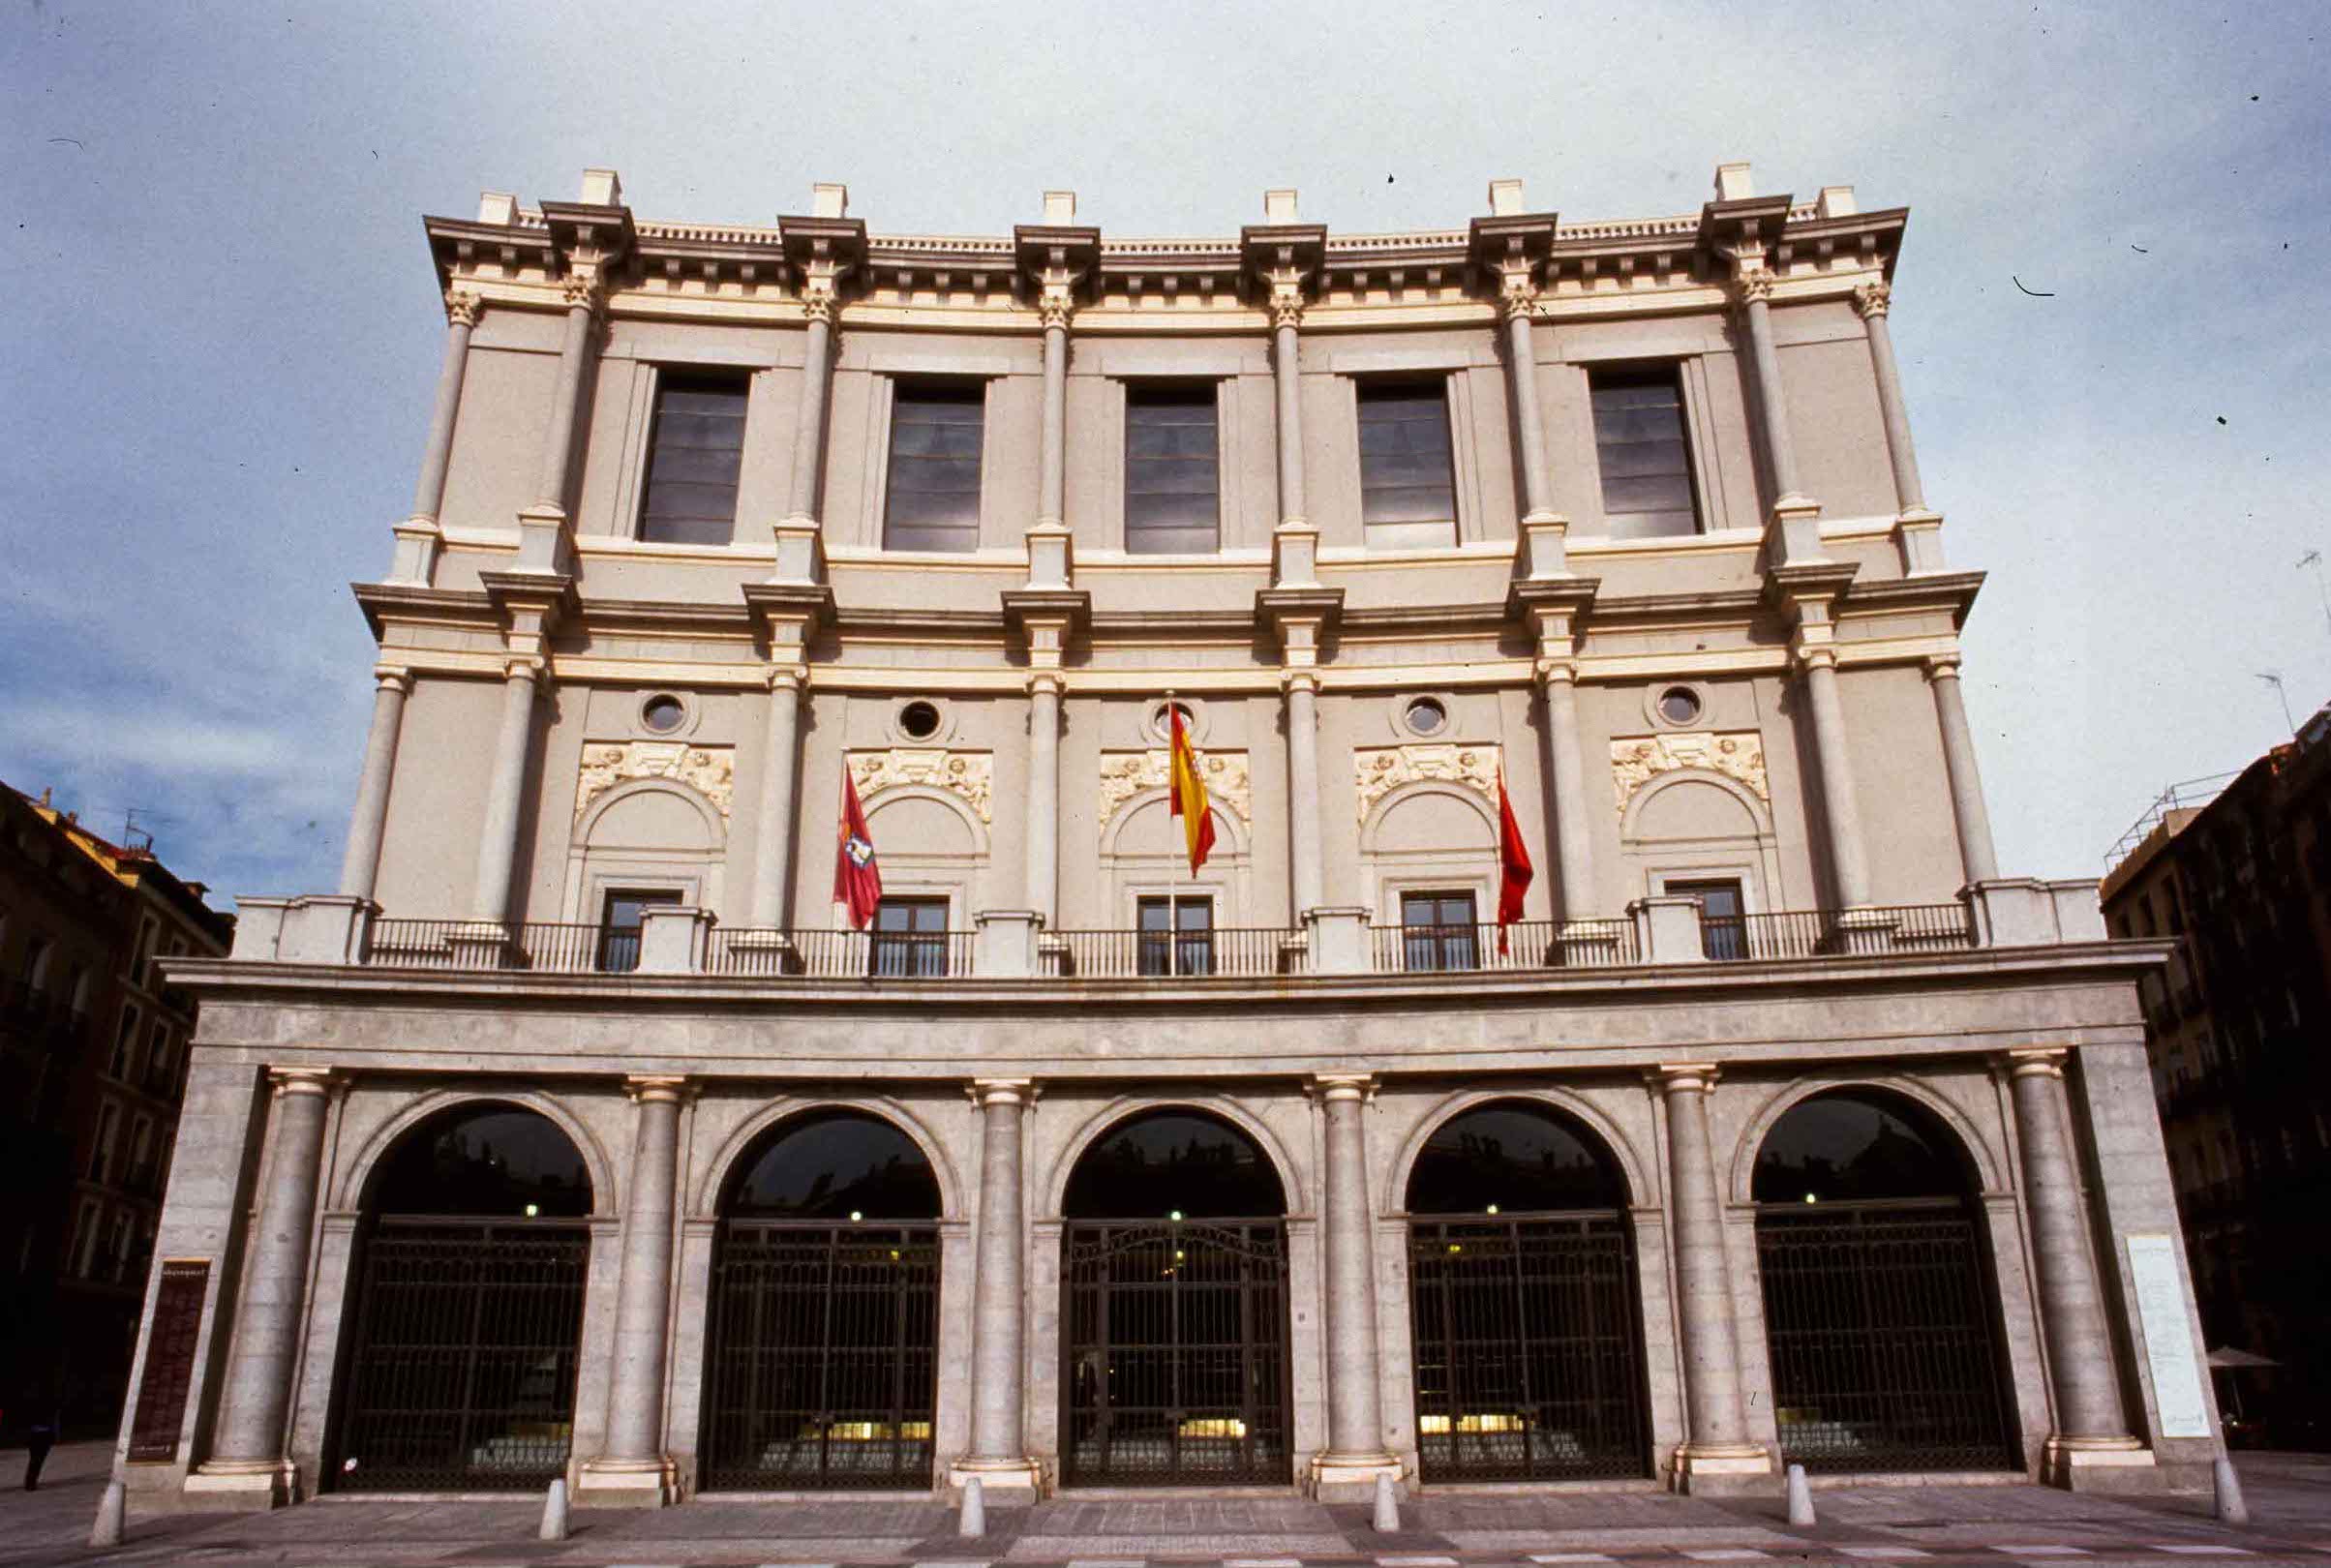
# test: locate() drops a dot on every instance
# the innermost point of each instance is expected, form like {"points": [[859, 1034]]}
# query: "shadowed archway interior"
{"points": [[1879, 1305], [1173, 1308], [1522, 1302], [821, 1360], [459, 1374]]}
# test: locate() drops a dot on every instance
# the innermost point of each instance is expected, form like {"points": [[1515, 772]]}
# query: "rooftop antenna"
{"points": [[130, 830], [2314, 559], [2274, 679]]}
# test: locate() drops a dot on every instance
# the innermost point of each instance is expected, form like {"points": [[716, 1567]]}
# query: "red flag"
{"points": [[1514, 870], [856, 878]]}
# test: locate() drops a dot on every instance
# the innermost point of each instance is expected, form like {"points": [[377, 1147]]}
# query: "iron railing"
{"points": [[1833, 933], [1224, 950], [841, 954], [550, 947], [1526, 944]]}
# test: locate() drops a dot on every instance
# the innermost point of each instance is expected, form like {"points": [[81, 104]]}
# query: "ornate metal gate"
{"points": [[1886, 1350], [1528, 1339], [822, 1362], [460, 1376], [1175, 1352]]}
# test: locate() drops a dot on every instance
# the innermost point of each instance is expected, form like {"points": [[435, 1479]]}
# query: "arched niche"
{"points": [[931, 844], [1145, 853], [649, 835], [1429, 836], [1693, 824]]}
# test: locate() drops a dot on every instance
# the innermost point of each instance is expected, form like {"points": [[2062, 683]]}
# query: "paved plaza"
{"points": [[1919, 1527]]}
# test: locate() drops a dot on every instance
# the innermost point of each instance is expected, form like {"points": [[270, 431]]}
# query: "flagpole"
{"points": [[1173, 913]]}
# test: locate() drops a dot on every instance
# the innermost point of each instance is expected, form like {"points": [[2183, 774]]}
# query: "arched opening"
{"points": [[1879, 1302], [459, 1374], [821, 1360], [1522, 1292], [1173, 1308]]}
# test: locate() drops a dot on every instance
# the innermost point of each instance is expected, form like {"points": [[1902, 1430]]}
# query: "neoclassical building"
{"points": [[572, 1135]]}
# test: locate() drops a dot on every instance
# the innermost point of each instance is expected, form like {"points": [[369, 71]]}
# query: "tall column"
{"points": [[1780, 447], [1574, 841], [462, 309], [498, 838], [999, 1325], [1839, 808], [558, 437], [1716, 1414], [632, 1461], [809, 419], [1303, 789], [1872, 300], [2072, 1310], [1051, 508], [1042, 823], [360, 864], [780, 760], [1517, 302], [257, 1396], [1287, 315], [1356, 1453], [1967, 812]]}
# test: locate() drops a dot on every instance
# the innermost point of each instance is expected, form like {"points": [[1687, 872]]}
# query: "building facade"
{"points": [[94, 1049], [2236, 874], [572, 1135]]}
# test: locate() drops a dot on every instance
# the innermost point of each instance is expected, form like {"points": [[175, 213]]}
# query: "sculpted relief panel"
{"points": [[1382, 769], [1737, 756], [710, 770], [968, 775], [1125, 774]]}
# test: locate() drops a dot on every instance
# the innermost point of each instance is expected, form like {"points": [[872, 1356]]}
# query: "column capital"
{"points": [[1553, 672], [322, 1083], [531, 667], [1054, 308], [2039, 1062], [821, 300], [986, 1091], [1329, 1087], [649, 1088], [1517, 298], [1752, 288], [1941, 666], [1872, 298], [788, 676], [584, 290], [395, 676], [1286, 304], [1043, 681], [1683, 1077], [462, 307], [1299, 679]]}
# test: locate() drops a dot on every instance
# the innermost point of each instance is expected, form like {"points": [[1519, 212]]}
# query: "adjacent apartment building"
{"points": [[573, 1135], [93, 1058], [2236, 874]]}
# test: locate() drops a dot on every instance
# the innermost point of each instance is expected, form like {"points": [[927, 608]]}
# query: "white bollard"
{"points": [[110, 1511], [1801, 1497], [554, 1512], [1387, 1506], [2231, 1509], [974, 1522]]}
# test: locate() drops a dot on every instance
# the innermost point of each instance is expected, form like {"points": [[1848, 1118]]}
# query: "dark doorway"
{"points": [[1173, 1309], [1528, 1336], [1880, 1306], [821, 1363], [459, 1372]]}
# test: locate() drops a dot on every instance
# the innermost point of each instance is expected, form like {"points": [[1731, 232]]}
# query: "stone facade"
{"points": [[1759, 704]]}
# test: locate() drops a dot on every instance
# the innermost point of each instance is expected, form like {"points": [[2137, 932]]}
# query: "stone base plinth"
{"points": [[2122, 1467], [241, 1489], [626, 1483], [1728, 1470], [1350, 1478], [1018, 1480]]}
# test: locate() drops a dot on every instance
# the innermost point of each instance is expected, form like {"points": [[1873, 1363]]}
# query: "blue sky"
{"points": [[222, 329]]}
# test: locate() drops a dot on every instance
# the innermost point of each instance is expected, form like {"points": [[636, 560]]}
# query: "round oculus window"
{"points": [[1425, 716], [918, 720], [1161, 720], [663, 713], [1680, 705]]}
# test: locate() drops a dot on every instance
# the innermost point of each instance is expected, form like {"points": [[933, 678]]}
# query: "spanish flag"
{"points": [[1188, 792]]}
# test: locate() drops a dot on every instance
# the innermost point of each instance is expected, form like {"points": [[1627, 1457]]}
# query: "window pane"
{"points": [[1171, 470], [694, 457], [933, 490], [1643, 453], [1407, 476]]}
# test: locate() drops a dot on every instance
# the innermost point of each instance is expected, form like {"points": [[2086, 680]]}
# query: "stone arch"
{"points": [[703, 1202], [1372, 831], [1982, 1159], [1631, 822], [609, 802], [1230, 833], [684, 853], [975, 831], [1125, 1107], [356, 1174], [1633, 1170]]}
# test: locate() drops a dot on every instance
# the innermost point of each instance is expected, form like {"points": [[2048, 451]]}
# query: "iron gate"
{"points": [[822, 1362], [1529, 1349], [1886, 1348], [461, 1374], [1174, 1346]]}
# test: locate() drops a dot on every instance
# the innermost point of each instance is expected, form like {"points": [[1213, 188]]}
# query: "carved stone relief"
{"points": [[1739, 757], [710, 770], [1380, 771], [1125, 774], [968, 775]]}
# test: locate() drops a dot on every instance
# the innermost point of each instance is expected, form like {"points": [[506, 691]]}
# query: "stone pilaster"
{"points": [[632, 1469], [2091, 1431], [1968, 814], [1718, 1449], [1346, 1469], [998, 1455], [360, 863]]}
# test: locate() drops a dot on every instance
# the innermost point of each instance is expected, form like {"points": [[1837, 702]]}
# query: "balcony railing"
{"points": [[841, 954], [540, 946], [1835, 933], [1168, 955], [1527, 945]]}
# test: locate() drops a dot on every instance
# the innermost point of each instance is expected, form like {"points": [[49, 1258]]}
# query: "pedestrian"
{"points": [[39, 1439]]}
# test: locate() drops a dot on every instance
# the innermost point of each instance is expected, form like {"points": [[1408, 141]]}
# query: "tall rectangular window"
{"points": [[1173, 485], [1408, 477], [933, 499], [1642, 447], [694, 456], [1176, 935], [910, 939], [1438, 931]]}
